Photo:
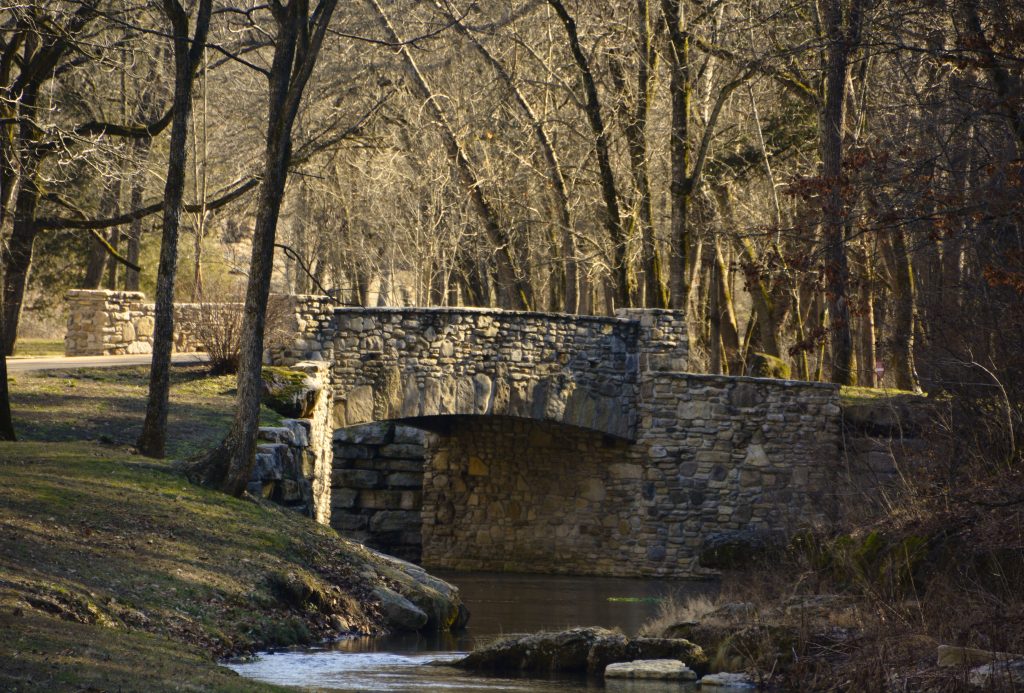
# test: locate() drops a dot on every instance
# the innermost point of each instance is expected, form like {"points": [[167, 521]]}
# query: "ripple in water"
{"points": [[382, 671]]}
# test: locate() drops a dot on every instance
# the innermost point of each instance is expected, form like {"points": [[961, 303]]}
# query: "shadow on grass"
{"points": [[108, 405]]}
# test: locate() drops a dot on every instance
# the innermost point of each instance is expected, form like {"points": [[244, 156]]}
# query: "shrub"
{"points": [[217, 330]]}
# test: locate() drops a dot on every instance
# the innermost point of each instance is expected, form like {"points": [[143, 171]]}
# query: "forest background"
{"points": [[831, 188]]}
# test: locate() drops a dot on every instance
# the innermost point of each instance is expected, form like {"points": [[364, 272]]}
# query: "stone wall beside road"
{"points": [[107, 323]]}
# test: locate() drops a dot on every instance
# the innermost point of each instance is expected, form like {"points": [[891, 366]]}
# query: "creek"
{"points": [[500, 604]]}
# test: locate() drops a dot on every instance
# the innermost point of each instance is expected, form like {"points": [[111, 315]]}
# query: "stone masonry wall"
{"points": [[293, 460], [560, 443], [395, 363], [377, 487], [713, 454], [723, 454], [529, 496], [102, 323]]}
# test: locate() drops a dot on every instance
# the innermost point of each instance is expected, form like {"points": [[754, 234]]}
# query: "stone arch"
{"points": [[396, 395]]}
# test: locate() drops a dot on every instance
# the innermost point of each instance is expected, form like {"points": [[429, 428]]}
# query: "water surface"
{"points": [[499, 604]]}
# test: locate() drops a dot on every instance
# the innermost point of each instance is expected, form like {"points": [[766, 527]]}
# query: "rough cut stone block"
{"points": [[355, 478], [402, 451], [395, 521], [404, 480]]}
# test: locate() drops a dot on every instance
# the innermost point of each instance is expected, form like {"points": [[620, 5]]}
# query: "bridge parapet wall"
{"points": [[400, 363], [662, 338]]}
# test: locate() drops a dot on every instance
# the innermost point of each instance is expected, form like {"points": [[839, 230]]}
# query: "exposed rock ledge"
{"points": [[410, 598], [579, 650]]}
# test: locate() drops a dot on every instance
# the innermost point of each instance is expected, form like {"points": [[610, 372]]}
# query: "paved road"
{"points": [[60, 362]]}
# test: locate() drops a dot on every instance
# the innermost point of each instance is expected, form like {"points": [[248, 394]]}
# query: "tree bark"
{"points": [[842, 29], [655, 292], [904, 313], [515, 288], [6, 422], [153, 439], [296, 48], [679, 193], [655, 289], [624, 285], [131, 276], [18, 257], [570, 271]]}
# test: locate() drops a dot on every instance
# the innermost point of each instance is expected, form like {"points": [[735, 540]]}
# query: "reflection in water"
{"points": [[499, 604]]}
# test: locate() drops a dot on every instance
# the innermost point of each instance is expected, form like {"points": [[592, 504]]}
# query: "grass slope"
{"points": [[117, 574]]}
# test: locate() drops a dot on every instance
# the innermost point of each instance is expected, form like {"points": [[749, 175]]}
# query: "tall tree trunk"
{"points": [[131, 276], [515, 288], [679, 185], [867, 336], [6, 422], [112, 262], [904, 312], [97, 253], [1005, 83], [654, 290], [570, 265], [296, 48], [624, 285], [16, 255], [94, 267], [842, 30], [18, 259], [733, 358], [153, 439]]}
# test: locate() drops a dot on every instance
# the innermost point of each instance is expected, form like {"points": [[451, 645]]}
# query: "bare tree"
{"points": [[299, 37], [187, 54]]}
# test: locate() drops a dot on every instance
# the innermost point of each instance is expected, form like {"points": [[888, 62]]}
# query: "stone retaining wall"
{"points": [[293, 460], [885, 441], [377, 487], [728, 454]]}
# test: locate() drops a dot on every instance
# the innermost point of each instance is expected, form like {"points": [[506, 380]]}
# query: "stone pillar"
{"points": [[300, 328], [103, 323], [662, 342], [293, 460]]}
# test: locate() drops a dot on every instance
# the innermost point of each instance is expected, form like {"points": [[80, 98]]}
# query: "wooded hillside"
{"points": [[837, 184]]}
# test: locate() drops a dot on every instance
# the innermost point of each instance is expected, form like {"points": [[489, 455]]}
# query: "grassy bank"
{"points": [[117, 574]]}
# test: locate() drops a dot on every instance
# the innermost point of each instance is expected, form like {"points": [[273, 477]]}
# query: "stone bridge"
{"points": [[409, 363], [554, 443], [565, 443]]}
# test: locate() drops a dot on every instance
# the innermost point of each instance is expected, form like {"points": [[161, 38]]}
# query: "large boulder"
{"points": [[437, 599], [579, 650], [400, 614], [761, 365]]}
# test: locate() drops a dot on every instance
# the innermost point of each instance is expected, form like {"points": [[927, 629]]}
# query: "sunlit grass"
{"points": [[34, 348]]}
